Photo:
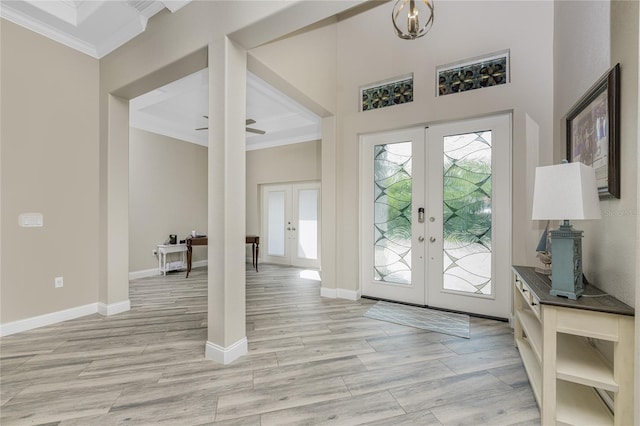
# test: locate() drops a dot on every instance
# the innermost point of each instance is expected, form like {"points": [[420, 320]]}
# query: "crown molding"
{"points": [[22, 19]]}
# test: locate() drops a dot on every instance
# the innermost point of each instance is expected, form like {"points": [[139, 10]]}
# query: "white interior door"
{"points": [[391, 234], [436, 216], [291, 224], [469, 227]]}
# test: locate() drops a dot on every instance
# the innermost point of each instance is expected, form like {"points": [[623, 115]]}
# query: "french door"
{"points": [[435, 216], [291, 225]]}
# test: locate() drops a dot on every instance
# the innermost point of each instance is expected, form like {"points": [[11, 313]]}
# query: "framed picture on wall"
{"points": [[593, 132]]}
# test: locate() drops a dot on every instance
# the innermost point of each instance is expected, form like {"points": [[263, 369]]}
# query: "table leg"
{"points": [[159, 261], [257, 253], [164, 264], [253, 254], [189, 255]]}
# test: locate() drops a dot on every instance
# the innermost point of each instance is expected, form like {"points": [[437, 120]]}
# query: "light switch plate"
{"points": [[31, 220]]}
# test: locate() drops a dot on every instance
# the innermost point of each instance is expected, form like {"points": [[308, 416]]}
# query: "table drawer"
{"points": [[529, 297]]}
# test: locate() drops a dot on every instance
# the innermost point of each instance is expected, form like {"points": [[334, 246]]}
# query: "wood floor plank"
{"points": [[504, 409], [270, 399], [419, 418], [396, 376], [344, 412], [448, 390], [300, 373], [403, 355], [483, 360]]}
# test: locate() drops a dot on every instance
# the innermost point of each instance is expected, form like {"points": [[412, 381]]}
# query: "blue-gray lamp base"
{"points": [[566, 269], [573, 295]]}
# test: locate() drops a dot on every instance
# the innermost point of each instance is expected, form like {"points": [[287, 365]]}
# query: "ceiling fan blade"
{"points": [[203, 128], [257, 131], [250, 121]]}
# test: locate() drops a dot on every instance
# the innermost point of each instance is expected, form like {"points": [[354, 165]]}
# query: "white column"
{"points": [[114, 283], [226, 335], [328, 209]]}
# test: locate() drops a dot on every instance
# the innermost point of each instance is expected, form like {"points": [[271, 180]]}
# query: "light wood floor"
{"points": [[311, 360]]}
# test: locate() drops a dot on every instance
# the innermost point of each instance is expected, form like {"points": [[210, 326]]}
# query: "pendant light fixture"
{"points": [[412, 18]]}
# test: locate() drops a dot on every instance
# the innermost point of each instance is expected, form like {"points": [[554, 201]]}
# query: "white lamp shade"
{"points": [[565, 191]]}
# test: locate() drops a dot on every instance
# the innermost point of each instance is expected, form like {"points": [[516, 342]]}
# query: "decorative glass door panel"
{"points": [[467, 213], [392, 237], [392, 213]]}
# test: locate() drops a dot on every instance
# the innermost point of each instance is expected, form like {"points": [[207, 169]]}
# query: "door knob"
{"points": [[421, 238], [432, 239], [288, 229], [293, 229]]}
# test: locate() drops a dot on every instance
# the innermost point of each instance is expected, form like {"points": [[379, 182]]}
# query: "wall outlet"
{"points": [[58, 282]]}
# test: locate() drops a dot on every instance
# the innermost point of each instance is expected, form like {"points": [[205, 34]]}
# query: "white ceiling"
{"points": [[178, 109], [97, 27]]}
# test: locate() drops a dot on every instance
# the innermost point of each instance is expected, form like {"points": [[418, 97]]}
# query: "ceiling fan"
{"points": [[247, 122]]}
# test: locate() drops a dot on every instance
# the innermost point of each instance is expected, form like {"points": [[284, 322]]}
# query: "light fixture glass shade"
{"points": [[565, 191], [412, 18]]}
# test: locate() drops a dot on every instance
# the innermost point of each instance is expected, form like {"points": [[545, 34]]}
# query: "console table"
{"points": [[568, 375], [254, 240], [163, 250]]}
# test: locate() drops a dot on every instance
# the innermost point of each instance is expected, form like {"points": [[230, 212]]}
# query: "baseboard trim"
{"points": [[226, 355], [144, 273], [348, 294], [114, 308], [47, 319], [200, 263], [330, 293]]}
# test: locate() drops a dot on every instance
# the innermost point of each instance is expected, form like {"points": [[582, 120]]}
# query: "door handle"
{"points": [[293, 229], [432, 239], [421, 238]]}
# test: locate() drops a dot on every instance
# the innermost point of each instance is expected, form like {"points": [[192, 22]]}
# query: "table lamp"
{"points": [[566, 192]]}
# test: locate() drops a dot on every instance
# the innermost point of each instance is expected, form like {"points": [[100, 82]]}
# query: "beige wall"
{"points": [[167, 194], [49, 136], [587, 45], [289, 163]]}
